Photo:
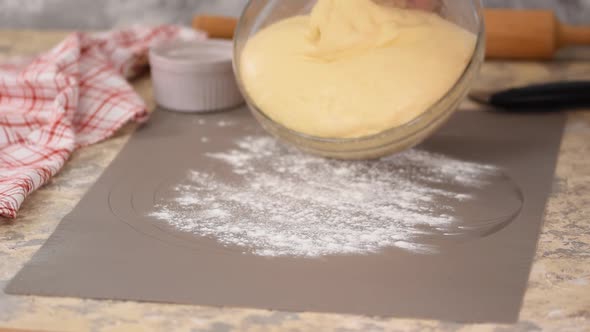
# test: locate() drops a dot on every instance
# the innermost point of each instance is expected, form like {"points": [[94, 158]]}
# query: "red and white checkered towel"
{"points": [[72, 96]]}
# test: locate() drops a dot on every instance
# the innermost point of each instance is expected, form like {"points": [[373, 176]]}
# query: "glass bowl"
{"points": [[258, 14]]}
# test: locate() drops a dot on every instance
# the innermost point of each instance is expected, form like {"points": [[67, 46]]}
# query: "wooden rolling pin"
{"points": [[216, 26], [511, 34], [529, 34]]}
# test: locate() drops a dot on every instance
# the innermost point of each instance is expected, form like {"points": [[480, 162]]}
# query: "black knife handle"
{"points": [[549, 96]]}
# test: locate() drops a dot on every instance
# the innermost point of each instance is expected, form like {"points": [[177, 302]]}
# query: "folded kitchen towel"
{"points": [[74, 95]]}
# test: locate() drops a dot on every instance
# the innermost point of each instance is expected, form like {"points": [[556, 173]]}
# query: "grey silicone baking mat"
{"points": [[209, 210]]}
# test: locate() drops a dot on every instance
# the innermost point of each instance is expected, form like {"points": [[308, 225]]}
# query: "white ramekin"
{"points": [[194, 76]]}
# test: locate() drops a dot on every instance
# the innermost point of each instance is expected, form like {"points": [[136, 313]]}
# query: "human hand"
{"points": [[430, 5]]}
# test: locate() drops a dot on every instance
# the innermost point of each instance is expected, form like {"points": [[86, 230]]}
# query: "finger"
{"points": [[429, 5]]}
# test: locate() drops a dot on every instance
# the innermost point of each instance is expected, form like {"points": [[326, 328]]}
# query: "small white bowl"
{"points": [[194, 76]]}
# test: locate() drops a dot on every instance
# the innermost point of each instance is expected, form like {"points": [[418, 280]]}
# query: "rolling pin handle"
{"points": [[216, 26], [570, 35]]}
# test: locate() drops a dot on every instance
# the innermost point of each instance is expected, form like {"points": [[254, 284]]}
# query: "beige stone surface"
{"points": [[557, 299]]}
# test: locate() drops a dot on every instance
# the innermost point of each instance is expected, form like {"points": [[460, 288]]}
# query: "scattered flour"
{"points": [[286, 203], [223, 123]]}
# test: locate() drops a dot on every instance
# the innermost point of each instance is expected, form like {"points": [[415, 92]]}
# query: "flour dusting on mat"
{"points": [[286, 203]]}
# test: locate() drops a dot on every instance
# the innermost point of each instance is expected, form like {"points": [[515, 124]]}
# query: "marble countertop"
{"points": [[557, 299]]}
